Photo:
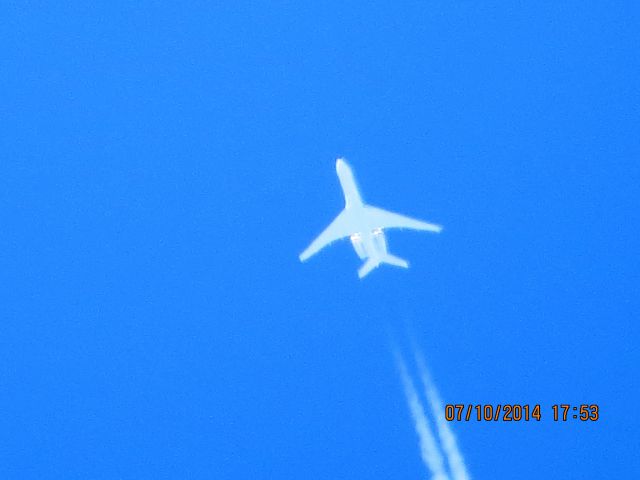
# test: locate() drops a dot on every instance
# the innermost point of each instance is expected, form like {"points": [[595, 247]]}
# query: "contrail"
{"points": [[447, 438], [429, 451]]}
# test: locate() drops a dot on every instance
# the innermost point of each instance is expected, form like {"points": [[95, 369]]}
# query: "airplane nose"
{"points": [[340, 164]]}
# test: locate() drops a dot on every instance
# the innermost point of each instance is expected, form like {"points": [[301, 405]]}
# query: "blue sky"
{"points": [[163, 165]]}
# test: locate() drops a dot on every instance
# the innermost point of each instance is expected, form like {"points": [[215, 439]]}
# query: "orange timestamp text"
{"points": [[514, 412]]}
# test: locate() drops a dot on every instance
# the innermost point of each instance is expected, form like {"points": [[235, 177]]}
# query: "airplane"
{"points": [[364, 225]]}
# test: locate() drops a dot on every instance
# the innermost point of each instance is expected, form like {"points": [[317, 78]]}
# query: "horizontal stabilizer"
{"points": [[397, 261], [366, 268]]}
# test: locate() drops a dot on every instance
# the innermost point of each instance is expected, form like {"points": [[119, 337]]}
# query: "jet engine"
{"points": [[356, 241], [379, 240]]}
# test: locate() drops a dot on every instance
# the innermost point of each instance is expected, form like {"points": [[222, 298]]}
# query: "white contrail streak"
{"points": [[447, 438], [429, 451]]}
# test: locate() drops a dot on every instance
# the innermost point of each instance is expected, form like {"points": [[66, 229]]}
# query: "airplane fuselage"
{"points": [[368, 239]]}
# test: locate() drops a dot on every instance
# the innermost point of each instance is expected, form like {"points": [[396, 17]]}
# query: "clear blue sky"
{"points": [[163, 164]]}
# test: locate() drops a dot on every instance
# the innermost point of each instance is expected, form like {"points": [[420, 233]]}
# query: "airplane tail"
{"points": [[372, 263]]}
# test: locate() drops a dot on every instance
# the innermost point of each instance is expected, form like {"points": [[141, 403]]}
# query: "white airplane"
{"points": [[364, 225]]}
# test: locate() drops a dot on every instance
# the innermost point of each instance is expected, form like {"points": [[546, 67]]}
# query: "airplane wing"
{"points": [[384, 219], [336, 230]]}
